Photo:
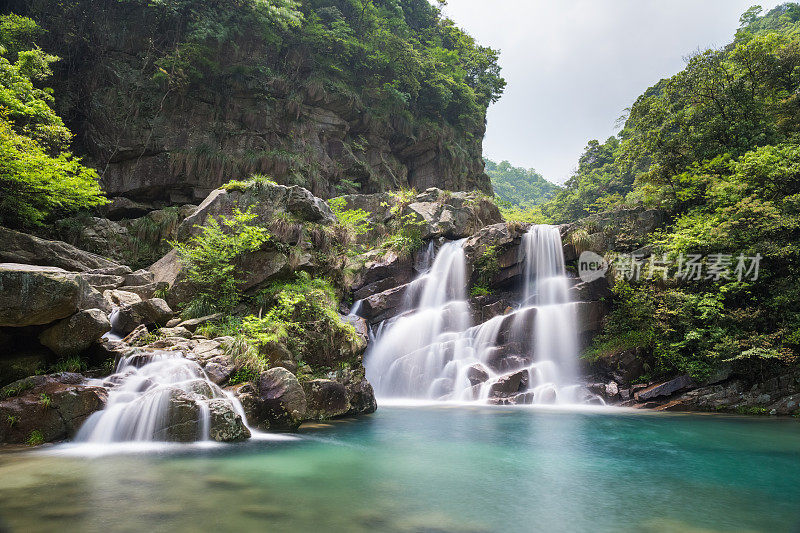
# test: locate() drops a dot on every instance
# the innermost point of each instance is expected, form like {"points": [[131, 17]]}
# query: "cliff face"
{"points": [[165, 114]]}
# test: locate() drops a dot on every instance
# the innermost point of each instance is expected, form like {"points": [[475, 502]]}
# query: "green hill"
{"points": [[521, 187]]}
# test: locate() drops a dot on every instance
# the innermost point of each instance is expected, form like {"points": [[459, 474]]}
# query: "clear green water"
{"points": [[433, 469]]}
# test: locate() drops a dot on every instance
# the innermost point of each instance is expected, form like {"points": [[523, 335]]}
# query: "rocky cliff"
{"points": [[168, 108]]}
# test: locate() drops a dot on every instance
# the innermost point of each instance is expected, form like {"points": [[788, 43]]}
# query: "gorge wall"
{"points": [[171, 100]]}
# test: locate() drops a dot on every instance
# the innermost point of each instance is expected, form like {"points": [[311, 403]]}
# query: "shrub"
{"points": [[209, 261]]}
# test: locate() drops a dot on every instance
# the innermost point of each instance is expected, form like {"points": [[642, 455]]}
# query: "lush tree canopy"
{"points": [[715, 148], [39, 178]]}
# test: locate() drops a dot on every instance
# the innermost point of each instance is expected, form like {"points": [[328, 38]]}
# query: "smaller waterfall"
{"points": [[143, 395]]}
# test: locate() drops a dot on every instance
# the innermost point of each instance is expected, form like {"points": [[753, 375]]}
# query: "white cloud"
{"points": [[573, 66]]}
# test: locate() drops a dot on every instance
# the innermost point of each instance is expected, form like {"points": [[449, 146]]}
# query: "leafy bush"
{"points": [[355, 221], [208, 259]]}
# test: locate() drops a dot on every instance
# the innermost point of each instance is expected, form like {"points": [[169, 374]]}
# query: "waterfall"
{"points": [[150, 394], [432, 351]]}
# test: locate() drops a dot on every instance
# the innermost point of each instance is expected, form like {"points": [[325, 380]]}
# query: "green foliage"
{"points": [[16, 388], [479, 290], [486, 267], [521, 188], [70, 364], [39, 178], [209, 259], [36, 438], [45, 401], [12, 420], [355, 221]]}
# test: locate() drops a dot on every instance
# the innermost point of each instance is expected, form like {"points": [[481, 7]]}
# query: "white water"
{"points": [[139, 398], [429, 350]]}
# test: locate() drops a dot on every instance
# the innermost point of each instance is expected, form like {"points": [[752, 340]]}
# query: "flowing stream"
{"points": [[149, 393], [432, 350]]}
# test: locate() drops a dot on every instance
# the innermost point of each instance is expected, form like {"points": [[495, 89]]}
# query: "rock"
{"points": [[664, 389], [120, 297], [69, 403], [75, 334], [103, 282], [139, 333], [790, 405], [383, 272], [325, 399], [509, 385], [360, 395], [225, 425], [590, 316], [121, 207], [611, 390], [16, 247], [32, 295], [383, 305], [590, 291], [264, 199], [276, 400], [194, 323], [140, 277], [182, 422], [219, 369], [477, 373], [177, 331], [154, 311], [452, 215], [146, 291]]}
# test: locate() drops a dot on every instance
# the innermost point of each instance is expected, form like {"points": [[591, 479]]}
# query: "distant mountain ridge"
{"points": [[521, 187]]}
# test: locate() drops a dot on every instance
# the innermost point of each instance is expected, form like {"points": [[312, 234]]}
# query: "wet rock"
{"points": [[16, 247], [325, 399], [183, 416], [75, 334], [590, 291], [383, 272], [590, 316], [54, 405], [219, 369], [275, 400], [477, 374], [509, 385], [139, 333], [664, 389], [154, 311], [360, 395], [611, 390], [225, 425], [383, 305]]}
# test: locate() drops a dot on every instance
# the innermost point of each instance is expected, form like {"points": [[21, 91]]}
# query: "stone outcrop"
{"points": [[275, 400], [47, 408], [16, 247]]}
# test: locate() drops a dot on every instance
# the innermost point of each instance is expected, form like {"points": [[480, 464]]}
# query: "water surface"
{"points": [[431, 468]]}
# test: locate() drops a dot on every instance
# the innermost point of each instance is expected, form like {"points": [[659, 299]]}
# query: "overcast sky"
{"points": [[573, 66]]}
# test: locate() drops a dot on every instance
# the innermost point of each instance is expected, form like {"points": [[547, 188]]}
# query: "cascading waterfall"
{"points": [[141, 399], [432, 351]]}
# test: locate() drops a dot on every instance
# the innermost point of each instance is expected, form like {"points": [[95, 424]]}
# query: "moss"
{"points": [[16, 388]]}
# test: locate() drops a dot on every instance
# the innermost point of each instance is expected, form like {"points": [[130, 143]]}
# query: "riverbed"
{"points": [[436, 468]]}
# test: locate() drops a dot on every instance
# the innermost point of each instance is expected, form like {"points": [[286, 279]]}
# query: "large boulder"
{"points": [[51, 407], [154, 311], [325, 399], [77, 333], [382, 272], [666, 388], [16, 247], [383, 305], [183, 415], [275, 400], [31, 295], [509, 385]]}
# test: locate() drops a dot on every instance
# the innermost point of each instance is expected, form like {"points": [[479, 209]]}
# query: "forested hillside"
{"points": [[170, 99], [713, 153], [520, 187]]}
